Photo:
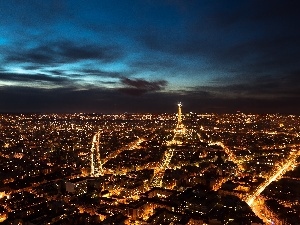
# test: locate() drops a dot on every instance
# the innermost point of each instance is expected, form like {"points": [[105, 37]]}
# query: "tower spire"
{"points": [[179, 117], [180, 129], [179, 114]]}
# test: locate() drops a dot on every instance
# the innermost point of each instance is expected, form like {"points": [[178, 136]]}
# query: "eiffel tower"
{"points": [[180, 130], [179, 135]]}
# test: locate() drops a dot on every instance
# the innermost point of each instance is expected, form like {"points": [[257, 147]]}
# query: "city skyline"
{"points": [[150, 168], [145, 56]]}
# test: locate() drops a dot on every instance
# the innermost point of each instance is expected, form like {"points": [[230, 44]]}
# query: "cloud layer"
{"points": [[211, 55], [62, 52], [138, 87]]}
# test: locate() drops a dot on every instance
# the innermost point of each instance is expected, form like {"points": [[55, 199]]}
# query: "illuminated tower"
{"points": [[179, 122], [180, 129], [178, 139]]}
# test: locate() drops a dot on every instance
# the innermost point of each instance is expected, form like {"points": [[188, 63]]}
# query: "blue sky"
{"points": [[145, 56]]}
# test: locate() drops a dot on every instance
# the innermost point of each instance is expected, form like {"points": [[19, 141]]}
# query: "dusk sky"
{"points": [[146, 55]]}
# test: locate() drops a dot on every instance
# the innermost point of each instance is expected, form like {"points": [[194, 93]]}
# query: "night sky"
{"points": [[120, 56]]}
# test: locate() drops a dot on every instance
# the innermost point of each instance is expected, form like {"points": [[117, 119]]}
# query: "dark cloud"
{"points": [[59, 77], [108, 82], [259, 94], [256, 87], [72, 99], [37, 56], [62, 52], [101, 73], [4, 76], [261, 55], [32, 67], [74, 52], [56, 72], [265, 54], [140, 86], [252, 36], [154, 64]]}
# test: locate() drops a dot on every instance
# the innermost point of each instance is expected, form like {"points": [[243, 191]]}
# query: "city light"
{"points": [[145, 169]]}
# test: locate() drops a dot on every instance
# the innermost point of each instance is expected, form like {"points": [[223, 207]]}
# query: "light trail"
{"points": [[231, 156], [257, 207], [276, 173], [160, 171], [97, 163], [255, 201], [96, 171]]}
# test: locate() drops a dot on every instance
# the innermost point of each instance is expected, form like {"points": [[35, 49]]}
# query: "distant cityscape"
{"points": [[180, 168]]}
